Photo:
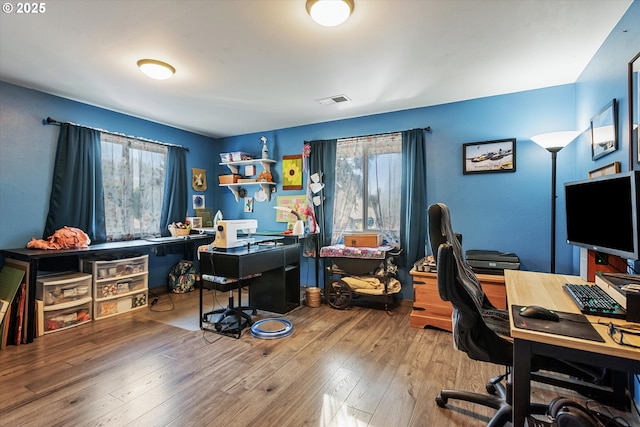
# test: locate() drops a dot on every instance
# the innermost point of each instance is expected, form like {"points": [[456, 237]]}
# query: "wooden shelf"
{"points": [[234, 167]]}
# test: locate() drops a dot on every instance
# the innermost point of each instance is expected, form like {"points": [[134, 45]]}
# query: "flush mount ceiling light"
{"points": [[156, 69], [330, 12]]}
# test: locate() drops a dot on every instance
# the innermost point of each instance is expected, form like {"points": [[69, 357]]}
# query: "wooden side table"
{"points": [[430, 310]]}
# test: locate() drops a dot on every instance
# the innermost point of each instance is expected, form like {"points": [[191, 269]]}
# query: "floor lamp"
{"points": [[554, 142]]}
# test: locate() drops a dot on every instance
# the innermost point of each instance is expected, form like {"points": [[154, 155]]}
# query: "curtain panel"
{"points": [[322, 161], [413, 219], [78, 193], [77, 197], [174, 207]]}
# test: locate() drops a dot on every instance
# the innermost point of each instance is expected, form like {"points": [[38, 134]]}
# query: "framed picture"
{"points": [[610, 169], [634, 105], [295, 202], [199, 179], [604, 131], [489, 156], [292, 172]]}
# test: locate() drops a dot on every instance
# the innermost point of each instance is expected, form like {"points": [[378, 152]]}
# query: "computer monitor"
{"points": [[602, 214]]}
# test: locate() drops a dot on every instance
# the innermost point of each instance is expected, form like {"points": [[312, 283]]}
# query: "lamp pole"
{"points": [[554, 142], [552, 254]]}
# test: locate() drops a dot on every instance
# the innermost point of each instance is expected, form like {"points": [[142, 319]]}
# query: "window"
{"points": [[368, 186], [133, 174]]}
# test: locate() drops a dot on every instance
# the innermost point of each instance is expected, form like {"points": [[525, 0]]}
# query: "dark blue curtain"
{"points": [[413, 219], [174, 207], [323, 162], [77, 192]]}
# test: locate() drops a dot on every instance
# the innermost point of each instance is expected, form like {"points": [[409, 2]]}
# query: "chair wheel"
{"points": [[339, 295], [491, 388], [441, 401]]}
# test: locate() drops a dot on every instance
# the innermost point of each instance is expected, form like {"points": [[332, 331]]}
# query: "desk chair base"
{"points": [[230, 321], [501, 401]]}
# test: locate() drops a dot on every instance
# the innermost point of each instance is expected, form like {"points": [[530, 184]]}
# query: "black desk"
{"points": [[277, 289], [59, 259]]}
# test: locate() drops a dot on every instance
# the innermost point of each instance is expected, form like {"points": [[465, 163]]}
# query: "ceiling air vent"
{"points": [[334, 99]]}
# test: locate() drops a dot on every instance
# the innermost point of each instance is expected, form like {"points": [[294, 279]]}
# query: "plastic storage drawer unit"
{"points": [[64, 318], [63, 288], [111, 307]]}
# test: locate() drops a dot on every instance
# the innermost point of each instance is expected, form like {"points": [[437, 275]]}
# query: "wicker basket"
{"points": [[175, 232]]}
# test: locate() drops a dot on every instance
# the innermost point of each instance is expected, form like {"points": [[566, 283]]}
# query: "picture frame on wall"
{"points": [[292, 172], [604, 131], [610, 169], [489, 156]]}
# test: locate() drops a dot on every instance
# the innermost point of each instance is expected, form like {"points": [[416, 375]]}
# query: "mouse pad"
{"points": [[570, 325]]}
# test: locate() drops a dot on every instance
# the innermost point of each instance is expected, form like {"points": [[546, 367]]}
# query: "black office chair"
{"points": [[478, 325]]}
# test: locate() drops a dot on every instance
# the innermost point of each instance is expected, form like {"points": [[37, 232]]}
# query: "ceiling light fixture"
{"points": [[156, 69], [330, 12]]}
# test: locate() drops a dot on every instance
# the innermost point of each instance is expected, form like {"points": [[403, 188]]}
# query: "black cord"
{"points": [[155, 300]]}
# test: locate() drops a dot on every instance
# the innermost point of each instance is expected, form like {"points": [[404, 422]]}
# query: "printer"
{"points": [[492, 262], [227, 231]]}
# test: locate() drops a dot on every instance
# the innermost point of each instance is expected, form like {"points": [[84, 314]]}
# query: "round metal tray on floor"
{"points": [[271, 328]]}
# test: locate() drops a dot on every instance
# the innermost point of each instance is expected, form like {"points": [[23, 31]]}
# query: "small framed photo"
{"points": [[610, 169], [604, 131], [489, 156]]}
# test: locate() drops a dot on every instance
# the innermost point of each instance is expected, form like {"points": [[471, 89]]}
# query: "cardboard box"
{"points": [[363, 240], [229, 179]]}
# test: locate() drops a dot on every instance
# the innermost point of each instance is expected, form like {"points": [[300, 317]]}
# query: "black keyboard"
{"points": [[592, 300]]}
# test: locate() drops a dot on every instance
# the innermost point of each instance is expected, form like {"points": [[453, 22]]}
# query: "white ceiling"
{"points": [[247, 66]]}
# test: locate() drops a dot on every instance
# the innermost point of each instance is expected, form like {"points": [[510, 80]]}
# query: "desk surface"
{"points": [[26, 254], [544, 289]]}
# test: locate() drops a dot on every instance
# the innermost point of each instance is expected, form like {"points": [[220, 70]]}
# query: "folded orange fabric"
{"points": [[63, 238]]}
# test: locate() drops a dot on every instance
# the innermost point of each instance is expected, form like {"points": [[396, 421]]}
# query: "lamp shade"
{"points": [[156, 69], [555, 141], [330, 13]]}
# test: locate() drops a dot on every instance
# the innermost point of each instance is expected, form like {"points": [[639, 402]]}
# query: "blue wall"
{"points": [[508, 211], [27, 152]]}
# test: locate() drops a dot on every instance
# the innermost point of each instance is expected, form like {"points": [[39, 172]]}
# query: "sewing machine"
{"points": [[227, 232]]}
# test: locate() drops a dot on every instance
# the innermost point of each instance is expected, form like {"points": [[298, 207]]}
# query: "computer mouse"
{"points": [[537, 312]]}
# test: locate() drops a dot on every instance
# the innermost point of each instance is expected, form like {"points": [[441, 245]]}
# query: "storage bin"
{"points": [[119, 287], [111, 307], [116, 268], [229, 178], [58, 320], [63, 288], [238, 156]]}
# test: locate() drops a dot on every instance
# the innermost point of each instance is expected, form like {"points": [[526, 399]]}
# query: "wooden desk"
{"points": [[430, 310], [529, 288]]}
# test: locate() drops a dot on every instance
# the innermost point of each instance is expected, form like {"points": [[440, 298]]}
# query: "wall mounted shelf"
{"points": [[234, 188], [234, 167]]}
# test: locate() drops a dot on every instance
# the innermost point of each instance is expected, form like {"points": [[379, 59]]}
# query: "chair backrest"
{"points": [[470, 332]]}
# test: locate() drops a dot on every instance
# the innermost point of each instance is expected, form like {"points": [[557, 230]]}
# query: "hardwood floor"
{"points": [[357, 367]]}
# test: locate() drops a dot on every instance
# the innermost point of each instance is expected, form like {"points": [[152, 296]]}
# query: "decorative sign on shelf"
{"points": [[292, 172]]}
